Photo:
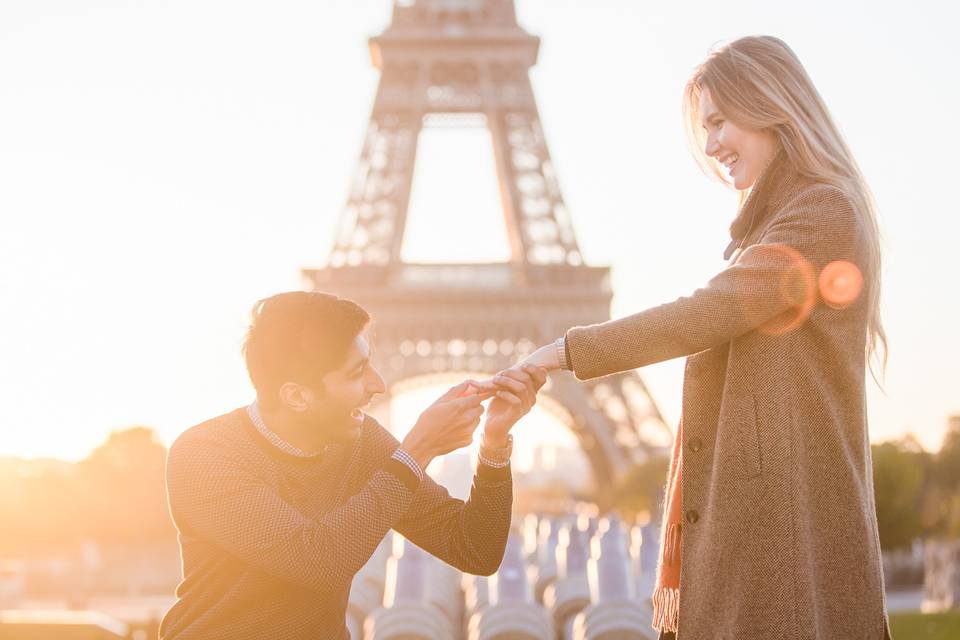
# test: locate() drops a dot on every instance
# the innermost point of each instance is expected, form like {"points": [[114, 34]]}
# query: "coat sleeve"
{"points": [[471, 535], [218, 499], [773, 285]]}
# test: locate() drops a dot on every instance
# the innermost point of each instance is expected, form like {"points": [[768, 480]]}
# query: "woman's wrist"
{"points": [[561, 345], [545, 357]]}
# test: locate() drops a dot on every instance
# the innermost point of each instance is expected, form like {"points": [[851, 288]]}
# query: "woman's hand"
{"points": [[545, 357], [516, 395]]}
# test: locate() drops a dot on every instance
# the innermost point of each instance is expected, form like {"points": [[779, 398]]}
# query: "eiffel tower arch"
{"points": [[470, 58]]}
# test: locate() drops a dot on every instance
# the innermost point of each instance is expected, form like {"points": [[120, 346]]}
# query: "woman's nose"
{"points": [[712, 148]]}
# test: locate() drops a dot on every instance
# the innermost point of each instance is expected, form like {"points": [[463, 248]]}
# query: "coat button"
{"points": [[694, 444], [692, 516]]}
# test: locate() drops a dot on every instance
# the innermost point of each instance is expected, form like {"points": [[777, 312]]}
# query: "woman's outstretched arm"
{"points": [[773, 284]]}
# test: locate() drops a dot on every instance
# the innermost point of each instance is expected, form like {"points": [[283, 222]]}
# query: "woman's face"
{"points": [[744, 153]]}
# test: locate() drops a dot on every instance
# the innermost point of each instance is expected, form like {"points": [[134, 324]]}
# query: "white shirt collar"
{"points": [[253, 410]]}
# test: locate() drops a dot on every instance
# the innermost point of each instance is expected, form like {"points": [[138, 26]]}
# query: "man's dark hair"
{"points": [[299, 336]]}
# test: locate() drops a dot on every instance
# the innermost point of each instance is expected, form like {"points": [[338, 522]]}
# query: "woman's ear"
{"points": [[295, 397]]}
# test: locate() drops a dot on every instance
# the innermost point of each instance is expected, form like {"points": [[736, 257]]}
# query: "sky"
{"points": [[165, 163]]}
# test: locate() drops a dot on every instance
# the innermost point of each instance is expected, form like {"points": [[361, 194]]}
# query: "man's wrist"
{"points": [[409, 462], [495, 440], [496, 456], [421, 455]]}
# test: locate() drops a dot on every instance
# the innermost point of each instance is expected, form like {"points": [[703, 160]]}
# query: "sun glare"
{"points": [[455, 213], [537, 429]]}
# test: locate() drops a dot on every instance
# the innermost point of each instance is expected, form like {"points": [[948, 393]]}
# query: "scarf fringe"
{"points": [[666, 609]]}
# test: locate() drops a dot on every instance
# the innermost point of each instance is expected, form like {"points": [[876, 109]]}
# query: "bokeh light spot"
{"points": [[840, 284], [798, 286]]}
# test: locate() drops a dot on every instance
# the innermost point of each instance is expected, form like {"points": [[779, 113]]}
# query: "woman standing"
{"points": [[770, 527]]}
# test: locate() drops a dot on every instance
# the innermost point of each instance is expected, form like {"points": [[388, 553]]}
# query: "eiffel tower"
{"points": [[470, 59]]}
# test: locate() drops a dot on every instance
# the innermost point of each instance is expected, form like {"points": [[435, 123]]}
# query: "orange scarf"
{"points": [[666, 595]]}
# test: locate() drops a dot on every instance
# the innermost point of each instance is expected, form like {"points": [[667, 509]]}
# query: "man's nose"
{"points": [[376, 383]]}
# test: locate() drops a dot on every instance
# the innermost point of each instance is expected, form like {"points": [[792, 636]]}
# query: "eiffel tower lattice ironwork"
{"points": [[472, 57]]}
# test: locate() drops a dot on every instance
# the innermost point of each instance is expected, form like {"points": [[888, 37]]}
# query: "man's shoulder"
{"points": [[376, 437], [217, 451], [220, 434]]}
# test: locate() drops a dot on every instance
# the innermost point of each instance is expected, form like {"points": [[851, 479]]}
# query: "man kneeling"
{"points": [[280, 503]]}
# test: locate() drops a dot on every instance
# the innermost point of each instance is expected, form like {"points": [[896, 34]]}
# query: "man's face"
{"points": [[345, 391]]}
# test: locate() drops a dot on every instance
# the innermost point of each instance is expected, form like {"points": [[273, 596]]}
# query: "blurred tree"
{"points": [[115, 495], [944, 499], [947, 461], [900, 472], [40, 506], [123, 481]]}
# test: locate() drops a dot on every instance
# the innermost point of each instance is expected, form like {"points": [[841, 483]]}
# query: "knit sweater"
{"points": [[270, 542]]}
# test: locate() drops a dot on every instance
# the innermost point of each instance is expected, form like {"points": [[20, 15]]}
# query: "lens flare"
{"points": [[798, 287], [840, 284]]}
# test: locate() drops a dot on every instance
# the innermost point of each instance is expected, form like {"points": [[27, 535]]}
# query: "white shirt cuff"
{"points": [[408, 460]]}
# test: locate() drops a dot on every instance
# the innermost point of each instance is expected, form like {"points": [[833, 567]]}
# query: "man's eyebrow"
{"points": [[359, 364]]}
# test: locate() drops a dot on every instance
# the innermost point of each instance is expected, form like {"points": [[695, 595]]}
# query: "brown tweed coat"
{"points": [[779, 538]]}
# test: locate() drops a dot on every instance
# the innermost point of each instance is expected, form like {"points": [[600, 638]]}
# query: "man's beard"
{"points": [[344, 426]]}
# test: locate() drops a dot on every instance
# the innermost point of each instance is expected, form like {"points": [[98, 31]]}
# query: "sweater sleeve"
{"points": [[471, 535], [217, 498], [772, 286]]}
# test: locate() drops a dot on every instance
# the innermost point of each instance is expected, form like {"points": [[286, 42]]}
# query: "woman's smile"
{"points": [[743, 152], [730, 162]]}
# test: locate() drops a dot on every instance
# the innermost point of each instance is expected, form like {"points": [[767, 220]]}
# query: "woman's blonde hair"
{"points": [[758, 83]]}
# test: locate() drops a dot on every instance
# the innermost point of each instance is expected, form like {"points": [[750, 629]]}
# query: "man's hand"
{"points": [[448, 424], [515, 395]]}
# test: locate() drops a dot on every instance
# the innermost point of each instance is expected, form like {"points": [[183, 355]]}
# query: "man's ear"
{"points": [[295, 397]]}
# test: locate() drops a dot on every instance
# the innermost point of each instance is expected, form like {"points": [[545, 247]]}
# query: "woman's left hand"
{"points": [[545, 357], [516, 395]]}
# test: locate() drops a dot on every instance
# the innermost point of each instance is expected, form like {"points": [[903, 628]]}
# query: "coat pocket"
{"points": [[748, 434]]}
